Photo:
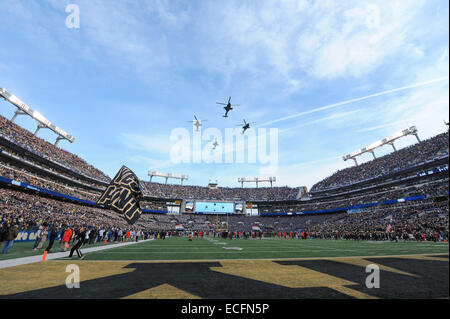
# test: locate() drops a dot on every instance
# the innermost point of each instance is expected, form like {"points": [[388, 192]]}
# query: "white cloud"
{"points": [[328, 119], [309, 173], [150, 162], [377, 127], [353, 41], [425, 109], [156, 144], [262, 47]]}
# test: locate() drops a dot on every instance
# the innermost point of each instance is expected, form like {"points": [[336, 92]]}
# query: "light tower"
{"points": [[256, 180], [389, 140], [167, 176], [23, 109]]}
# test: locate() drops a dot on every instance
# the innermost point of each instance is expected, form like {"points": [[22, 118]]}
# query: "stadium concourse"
{"points": [[401, 197]]}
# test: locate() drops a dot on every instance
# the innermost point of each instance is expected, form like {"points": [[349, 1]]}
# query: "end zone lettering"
{"points": [[246, 308]]}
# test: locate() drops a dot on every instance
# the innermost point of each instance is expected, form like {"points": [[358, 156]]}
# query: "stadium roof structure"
{"points": [[388, 140], [23, 109]]}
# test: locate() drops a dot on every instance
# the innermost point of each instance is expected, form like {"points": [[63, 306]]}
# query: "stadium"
{"points": [[392, 211], [376, 229]]}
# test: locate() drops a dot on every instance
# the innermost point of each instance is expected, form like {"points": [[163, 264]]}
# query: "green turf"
{"points": [[25, 249], [181, 249]]}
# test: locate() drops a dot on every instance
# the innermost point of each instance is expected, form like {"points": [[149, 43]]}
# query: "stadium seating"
{"points": [[222, 193], [424, 151], [36, 145], [406, 191]]}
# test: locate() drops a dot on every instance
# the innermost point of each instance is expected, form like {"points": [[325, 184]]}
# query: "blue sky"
{"points": [[136, 70]]}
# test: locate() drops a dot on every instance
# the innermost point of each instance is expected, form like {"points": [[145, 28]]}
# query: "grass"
{"points": [[222, 269], [176, 248], [25, 249], [217, 249]]}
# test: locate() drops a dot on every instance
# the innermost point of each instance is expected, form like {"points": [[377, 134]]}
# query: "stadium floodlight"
{"points": [[23, 109], [167, 176], [386, 141], [256, 180]]}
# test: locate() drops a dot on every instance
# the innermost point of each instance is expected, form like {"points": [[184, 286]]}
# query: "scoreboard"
{"points": [[214, 207]]}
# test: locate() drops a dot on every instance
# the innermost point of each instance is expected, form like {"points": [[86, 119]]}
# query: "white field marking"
{"points": [[252, 247], [177, 247], [432, 244], [310, 247], [38, 258], [233, 248], [216, 251], [250, 259], [307, 245], [174, 252]]}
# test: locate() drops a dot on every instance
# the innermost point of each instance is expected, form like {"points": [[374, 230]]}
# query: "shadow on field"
{"points": [[430, 280], [195, 278]]}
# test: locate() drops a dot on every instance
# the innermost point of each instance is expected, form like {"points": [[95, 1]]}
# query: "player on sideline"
{"points": [[80, 241]]}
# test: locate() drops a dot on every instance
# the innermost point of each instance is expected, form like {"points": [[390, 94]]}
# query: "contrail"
{"points": [[327, 107]]}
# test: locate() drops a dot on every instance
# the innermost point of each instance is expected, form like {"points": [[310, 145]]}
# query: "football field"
{"points": [[212, 268], [176, 248]]}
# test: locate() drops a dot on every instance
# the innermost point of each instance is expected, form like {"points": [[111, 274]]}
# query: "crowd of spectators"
{"points": [[24, 176], [154, 206], [44, 149], [170, 191], [430, 189], [28, 211], [43, 167], [427, 220], [423, 220], [20, 136], [415, 220], [427, 150]]}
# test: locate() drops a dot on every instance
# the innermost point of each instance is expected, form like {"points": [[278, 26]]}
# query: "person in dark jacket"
{"points": [[52, 237], [9, 238], [3, 231], [79, 242]]}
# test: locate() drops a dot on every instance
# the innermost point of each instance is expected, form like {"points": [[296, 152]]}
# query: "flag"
{"points": [[123, 195], [256, 228]]}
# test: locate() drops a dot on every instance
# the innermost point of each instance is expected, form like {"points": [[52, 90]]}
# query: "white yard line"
{"points": [[38, 258], [259, 259]]}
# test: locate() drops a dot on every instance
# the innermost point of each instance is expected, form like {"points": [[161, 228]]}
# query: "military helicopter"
{"points": [[245, 126], [197, 122], [228, 106], [215, 144]]}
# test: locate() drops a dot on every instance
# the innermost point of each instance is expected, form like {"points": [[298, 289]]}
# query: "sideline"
{"points": [[38, 258]]}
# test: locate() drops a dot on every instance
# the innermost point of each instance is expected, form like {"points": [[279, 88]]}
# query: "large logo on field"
{"points": [[293, 279]]}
